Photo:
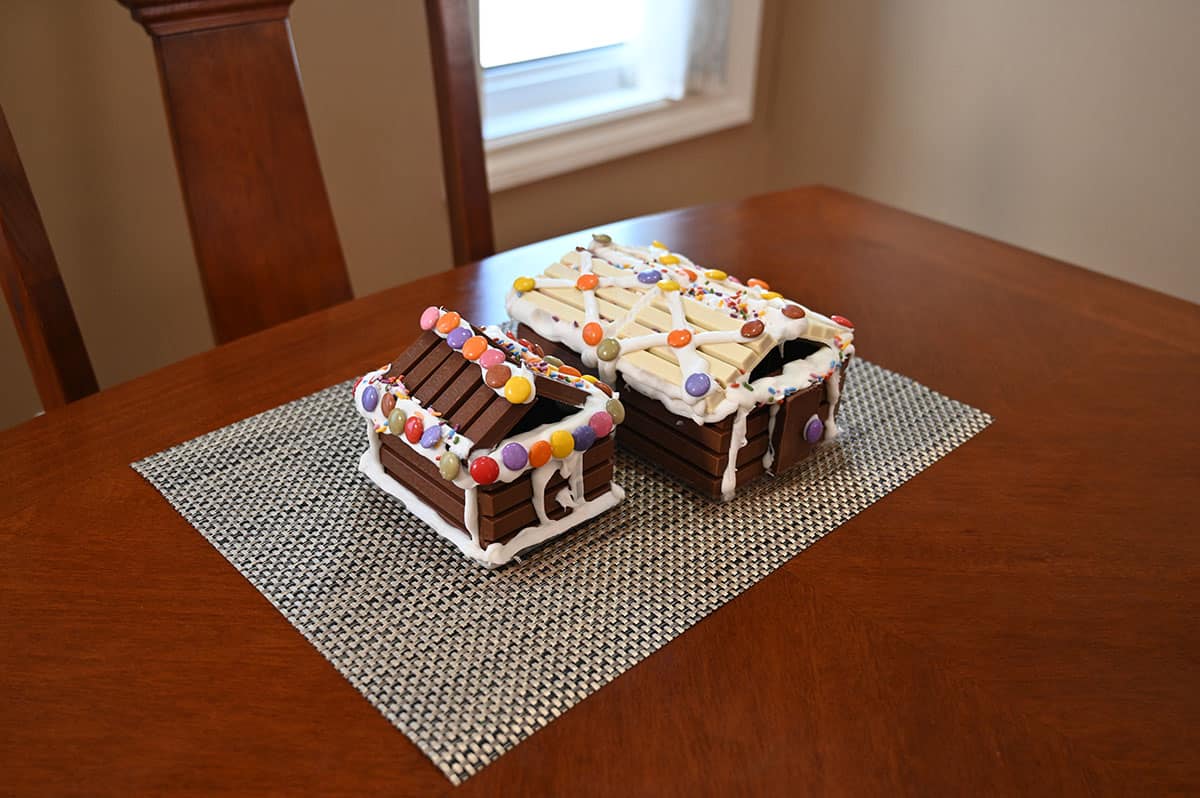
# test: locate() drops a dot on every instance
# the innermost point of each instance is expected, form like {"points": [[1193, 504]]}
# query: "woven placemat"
{"points": [[469, 662]]}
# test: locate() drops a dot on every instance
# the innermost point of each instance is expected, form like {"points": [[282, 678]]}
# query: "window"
{"points": [[569, 83]]}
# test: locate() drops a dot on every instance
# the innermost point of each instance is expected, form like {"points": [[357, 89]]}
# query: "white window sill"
{"points": [[525, 157]]}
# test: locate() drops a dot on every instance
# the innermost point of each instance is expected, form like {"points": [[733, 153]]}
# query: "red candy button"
{"points": [[484, 470]]}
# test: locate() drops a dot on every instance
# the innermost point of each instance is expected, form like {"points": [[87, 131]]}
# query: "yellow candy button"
{"points": [[669, 260], [668, 285], [562, 443], [658, 244], [771, 295], [517, 390], [590, 378], [715, 274], [523, 283]]}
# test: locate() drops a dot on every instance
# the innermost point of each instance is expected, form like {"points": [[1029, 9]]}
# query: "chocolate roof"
{"points": [[444, 381]]}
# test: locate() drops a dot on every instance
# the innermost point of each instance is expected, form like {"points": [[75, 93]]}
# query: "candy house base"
{"points": [[503, 509], [698, 454]]}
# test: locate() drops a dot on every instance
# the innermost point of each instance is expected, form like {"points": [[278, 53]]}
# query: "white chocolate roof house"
{"points": [[493, 446], [759, 374]]}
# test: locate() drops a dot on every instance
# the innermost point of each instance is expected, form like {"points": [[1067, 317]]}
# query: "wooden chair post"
{"points": [[262, 226], [453, 52], [41, 309]]}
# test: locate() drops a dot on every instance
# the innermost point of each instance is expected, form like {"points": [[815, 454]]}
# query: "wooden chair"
{"points": [[260, 219]]}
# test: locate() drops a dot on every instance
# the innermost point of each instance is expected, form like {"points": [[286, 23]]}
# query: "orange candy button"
{"points": [[757, 283], [678, 338], [448, 322], [570, 372], [539, 453], [474, 346], [587, 282], [593, 333]]}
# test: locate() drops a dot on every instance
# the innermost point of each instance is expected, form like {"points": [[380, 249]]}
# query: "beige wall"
{"points": [[1070, 127], [1067, 127]]}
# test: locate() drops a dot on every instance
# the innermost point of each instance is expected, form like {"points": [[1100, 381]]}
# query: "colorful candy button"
{"points": [[429, 317], [754, 282], [474, 346], [447, 322], [601, 423], [562, 443], [658, 244], [497, 376], [770, 295], [679, 338], [842, 320], [523, 284], [449, 465], [616, 410], [484, 470], [697, 384], [602, 238], [413, 429], [370, 398], [517, 390], [492, 357], [814, 429], [793, 311], [669, 260], [387, 403], [431, 436], [649, 277], [514, 456], [603, 386], [396, 420], [753, 328], [584, 436], [457, 337], [553, 361], [592, 333], [587, 282], [715, 274], [608, 349], [667, 285], [539, 454], [691, 275]]}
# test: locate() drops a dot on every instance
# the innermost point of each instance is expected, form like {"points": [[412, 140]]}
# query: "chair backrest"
{"points": [[261, 223], [41, 309]]}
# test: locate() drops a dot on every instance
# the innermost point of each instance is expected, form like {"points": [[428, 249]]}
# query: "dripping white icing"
{"points": [[769, 458], [737, 440]]}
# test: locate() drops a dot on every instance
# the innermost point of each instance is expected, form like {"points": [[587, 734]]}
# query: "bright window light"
{"points": [[548, 63], [515, 31], [570, 83]]}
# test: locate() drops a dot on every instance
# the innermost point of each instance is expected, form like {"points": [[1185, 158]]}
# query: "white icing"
{"points": [[769, 458], [737, 440]]}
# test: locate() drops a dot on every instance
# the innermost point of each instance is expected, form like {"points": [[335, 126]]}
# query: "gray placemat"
{"points": [[469, 662]]}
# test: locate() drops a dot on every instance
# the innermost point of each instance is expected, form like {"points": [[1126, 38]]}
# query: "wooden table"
{"points": [[1023, 617]]}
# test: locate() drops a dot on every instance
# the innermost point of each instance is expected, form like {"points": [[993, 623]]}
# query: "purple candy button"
{"points": [[370, 398], [814, 429], [650, 276], [514, 456], [457, 337], [584, 437], [431, 436], [697, 384]]}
